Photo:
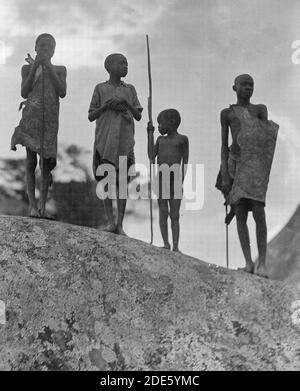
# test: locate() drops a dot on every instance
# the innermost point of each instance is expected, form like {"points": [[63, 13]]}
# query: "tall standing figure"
{"points": [[246, 166], [114, 106], [42, 85]]}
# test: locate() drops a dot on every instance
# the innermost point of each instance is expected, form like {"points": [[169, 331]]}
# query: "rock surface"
{"points": [[80, 299], [283, 258]]}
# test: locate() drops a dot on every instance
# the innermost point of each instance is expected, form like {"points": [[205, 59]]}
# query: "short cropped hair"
{"points": [[237, 79], [110, 59], [44, 35], [171, 115]]}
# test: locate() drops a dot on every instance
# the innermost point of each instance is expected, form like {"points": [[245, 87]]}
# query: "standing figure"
{"points": [[42, 85], [114, 106], [172, 152], [246, 166]]}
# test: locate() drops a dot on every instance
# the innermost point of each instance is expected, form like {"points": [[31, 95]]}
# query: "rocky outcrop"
{"points": [[80, 299], [283, 258]]}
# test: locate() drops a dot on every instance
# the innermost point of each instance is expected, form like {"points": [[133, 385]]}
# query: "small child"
{"points": [[172, 151], [42, 85], [114, 106]]}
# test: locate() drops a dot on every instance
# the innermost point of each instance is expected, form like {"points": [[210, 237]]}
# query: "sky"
{"points": [[197, 49]]}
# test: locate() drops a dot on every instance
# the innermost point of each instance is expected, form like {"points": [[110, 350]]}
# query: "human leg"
{"points": [[48, 165], [31, 162], [261, 237], [107, 188], [123, 179], [121, 202], [121, 212], [174, 215], [243, 232], [109, 214], [163, 221]]}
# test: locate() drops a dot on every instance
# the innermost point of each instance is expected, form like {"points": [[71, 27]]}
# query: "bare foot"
{"points": [[110, 228], [46, 215], [249, 268], [33, 212], [120, 231], [261, 271], [176, 250]]}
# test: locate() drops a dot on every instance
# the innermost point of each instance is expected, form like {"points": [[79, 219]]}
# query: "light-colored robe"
{"points": [[114, 133]]}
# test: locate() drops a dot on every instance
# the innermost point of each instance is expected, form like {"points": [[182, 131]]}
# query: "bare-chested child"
{"points": [[171, 149], [114, 106], [246, 165], [42, 85]]}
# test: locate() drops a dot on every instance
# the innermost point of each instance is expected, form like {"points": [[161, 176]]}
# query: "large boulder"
{"points": [[283, 257], [80, 299]]}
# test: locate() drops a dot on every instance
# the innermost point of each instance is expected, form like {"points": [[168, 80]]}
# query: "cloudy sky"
{"points": [[197, 48]]}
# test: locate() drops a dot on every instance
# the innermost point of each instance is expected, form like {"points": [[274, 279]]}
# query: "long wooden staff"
{"points": [[227, 244], [150, 120], [42, 131]]}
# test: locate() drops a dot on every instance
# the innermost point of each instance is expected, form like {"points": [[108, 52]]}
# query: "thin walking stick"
{"points": [[227, 244], [150, 120], [42, 133]]}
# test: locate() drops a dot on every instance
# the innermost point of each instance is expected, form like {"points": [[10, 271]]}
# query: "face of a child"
{"points": [[119, 67], [163, 125], [45, 47], [244, 87]]}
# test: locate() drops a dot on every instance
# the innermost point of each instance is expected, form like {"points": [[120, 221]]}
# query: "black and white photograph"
{"points": [[149, 189]]}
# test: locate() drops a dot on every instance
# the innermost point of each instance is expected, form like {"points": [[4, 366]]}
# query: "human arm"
{"points": [[225, 151], [96, 109], [58, 76], [120, 104], [27, 72], [185, 156], [137, 115], [94, 114], [263, 112], [151, 146], [133, 105]]}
